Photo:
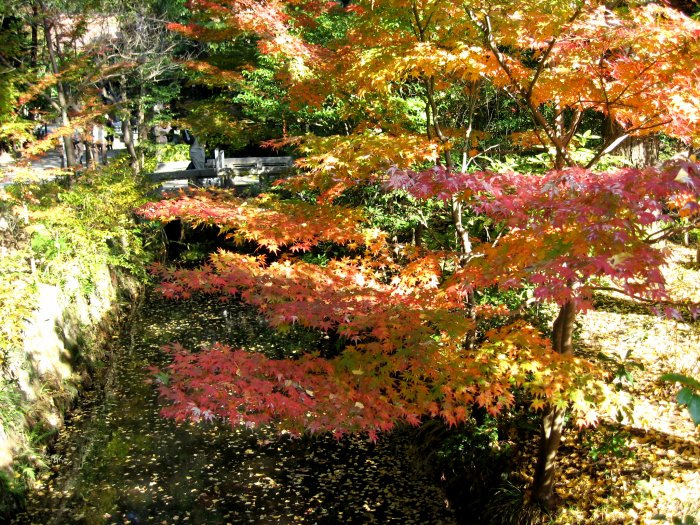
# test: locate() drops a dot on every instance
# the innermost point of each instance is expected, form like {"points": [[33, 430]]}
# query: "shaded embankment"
{"points": [[118, 461]]}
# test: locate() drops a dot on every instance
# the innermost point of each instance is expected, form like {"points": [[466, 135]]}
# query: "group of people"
{"points": [[94, 145]]}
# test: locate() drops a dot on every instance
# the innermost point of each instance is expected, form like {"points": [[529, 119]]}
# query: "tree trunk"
{"points": [[464, 244], [553, 420], [641, 151], [638, 151], [128, 137], [465, 249], [34, 49], [90, 155], [141, 116], [120, 100], [61, 95]]}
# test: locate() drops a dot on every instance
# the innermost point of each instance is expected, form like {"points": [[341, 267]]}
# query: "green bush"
{"points": [[688, 395], [57, 232]]}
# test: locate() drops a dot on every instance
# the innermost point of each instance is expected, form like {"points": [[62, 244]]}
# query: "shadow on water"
{"points": [[119, 462]]}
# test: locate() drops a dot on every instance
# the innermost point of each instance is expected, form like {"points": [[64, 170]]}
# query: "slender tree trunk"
{"points": [[465, 250], [553, 420], [128, 137], [90, 155], [141, 116], [141, 131], [464, 244], [64, 159], [120, 101], [428, 121], [61, 94], [34, 53], [471, 108]]}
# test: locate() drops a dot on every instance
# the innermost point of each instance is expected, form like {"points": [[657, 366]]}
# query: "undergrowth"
{"points": [[61, 232]]}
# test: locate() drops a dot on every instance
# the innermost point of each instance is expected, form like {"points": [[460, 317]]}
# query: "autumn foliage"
{"points": [[416, 334], [402, 318], [569, 230]]}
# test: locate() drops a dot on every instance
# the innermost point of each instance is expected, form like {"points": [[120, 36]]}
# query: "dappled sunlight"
{"points": [[648, 468]]}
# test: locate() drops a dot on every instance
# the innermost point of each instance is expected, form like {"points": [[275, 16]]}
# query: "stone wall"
{"points": [[65, 341]]}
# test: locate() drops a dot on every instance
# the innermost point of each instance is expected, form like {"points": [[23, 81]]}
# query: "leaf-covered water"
{"points": [[118, 461]]}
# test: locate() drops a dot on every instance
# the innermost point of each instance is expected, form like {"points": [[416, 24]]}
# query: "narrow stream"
{"points": [[118, 461]]}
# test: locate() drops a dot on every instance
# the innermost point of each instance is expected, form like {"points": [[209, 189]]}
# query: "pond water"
{"points": [[118, 461]]}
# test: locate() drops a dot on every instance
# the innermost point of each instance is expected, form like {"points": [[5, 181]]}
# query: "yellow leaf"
{"points": [[537, 404]]}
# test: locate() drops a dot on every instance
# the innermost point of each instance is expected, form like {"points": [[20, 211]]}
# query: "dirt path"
{"points": [[40, 165]]}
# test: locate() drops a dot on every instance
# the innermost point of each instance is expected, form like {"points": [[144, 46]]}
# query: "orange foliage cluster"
{"points": [[269, 19], [637, 66], [214, 76], [334, 164], [370, 392], [270, 223]]}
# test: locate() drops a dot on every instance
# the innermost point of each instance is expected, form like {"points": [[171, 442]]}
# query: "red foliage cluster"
{"points": [[569, 229], [269, 223], [405, 325]]}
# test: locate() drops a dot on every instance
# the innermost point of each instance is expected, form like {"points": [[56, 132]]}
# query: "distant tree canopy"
{"points": [[74, 62]]}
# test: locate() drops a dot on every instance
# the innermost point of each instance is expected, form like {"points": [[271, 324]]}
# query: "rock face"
{"points": [[65, 340]]}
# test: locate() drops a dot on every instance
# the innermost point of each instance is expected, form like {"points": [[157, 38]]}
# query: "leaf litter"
{"points": [[119, 462], [645, 468]]}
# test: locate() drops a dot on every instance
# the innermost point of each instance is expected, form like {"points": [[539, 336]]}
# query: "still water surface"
{"points": [[118, 461]]}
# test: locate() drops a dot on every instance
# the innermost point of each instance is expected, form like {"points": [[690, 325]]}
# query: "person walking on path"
{"points": [[79, 146], [198, 157], [98, 141], [109, 135]]}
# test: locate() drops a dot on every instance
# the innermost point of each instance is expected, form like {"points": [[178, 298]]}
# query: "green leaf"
{"points": [[163, 378], [680, 378], [684, 396], [605, 357], [694, 409]]}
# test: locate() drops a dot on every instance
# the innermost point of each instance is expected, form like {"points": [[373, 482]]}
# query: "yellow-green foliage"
{"points": [[89, 223], [53, 231], [60, 233]]}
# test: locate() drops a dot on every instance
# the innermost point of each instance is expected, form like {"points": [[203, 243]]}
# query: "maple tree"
{"points": [[559, 63], [569, 232], [407, 318], [403, 322]]}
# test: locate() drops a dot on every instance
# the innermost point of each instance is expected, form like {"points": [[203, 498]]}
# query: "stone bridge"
{"points": [[222, 172]]}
